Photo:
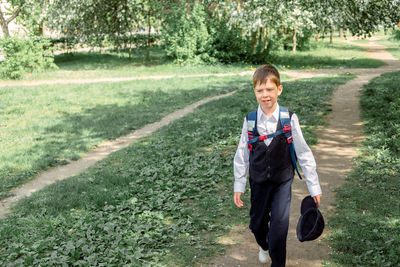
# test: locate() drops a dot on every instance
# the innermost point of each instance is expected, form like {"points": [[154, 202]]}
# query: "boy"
{"points": [[271, 169]]}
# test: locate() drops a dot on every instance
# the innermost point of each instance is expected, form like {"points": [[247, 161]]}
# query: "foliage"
{"points": [[280, 19], [367, 220], [396, 33], [230, 45], [25, 55], [161, 201], [95, 22], [33, 15], [364, 17], [185, 35]]}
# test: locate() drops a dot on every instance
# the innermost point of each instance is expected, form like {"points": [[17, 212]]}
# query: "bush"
{"points": [[230, 45], [396, 33], [184, 34], [25, 55]]}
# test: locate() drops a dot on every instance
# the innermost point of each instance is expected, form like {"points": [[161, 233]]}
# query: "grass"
{"points": [[361, 41], [108, 64], [324, 55], [85, 65], [367, 220], [393, 46], [163, 201], [45, 126]]}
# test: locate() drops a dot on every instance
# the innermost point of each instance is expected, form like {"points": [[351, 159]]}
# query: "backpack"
{"points": [[284, 118]]}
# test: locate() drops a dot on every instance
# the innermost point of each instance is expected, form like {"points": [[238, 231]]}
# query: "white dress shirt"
{"points": [[267, 126]]}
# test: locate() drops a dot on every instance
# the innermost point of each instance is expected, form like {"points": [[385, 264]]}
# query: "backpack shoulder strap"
{"points": [[251, 127], [285, 117]]}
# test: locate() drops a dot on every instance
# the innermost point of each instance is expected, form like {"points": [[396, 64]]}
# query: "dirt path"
{"points": [[102, 151], [333, 154], [295, 74]]}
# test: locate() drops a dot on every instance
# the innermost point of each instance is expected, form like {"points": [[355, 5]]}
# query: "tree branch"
{"points": [[2, 19], [13, 16]]}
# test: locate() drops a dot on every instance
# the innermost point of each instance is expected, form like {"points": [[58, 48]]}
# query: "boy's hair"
{"points": [[265, 73]]}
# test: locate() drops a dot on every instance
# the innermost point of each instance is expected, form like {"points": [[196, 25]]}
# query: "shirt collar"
{"points": [[274, 116]]}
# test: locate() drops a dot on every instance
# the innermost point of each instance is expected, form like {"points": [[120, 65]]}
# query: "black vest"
{"points": [[271, 163]]}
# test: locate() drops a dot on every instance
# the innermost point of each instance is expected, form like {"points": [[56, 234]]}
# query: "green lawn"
{"points": [[83, 65], [113, 64], [44, 126], [393, 46], [162, 201], [324, 55], [365, 227]]}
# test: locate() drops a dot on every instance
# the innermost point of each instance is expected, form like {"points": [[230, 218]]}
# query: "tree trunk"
{"points": [[294, 41], [148, 36], [4, 25], [254, 41], [4, 28], [317, 36], [4, 22], [331, 36], [265, 38], [341, 32], [323, 32]]}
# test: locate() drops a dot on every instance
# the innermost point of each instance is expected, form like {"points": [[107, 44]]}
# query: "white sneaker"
{"points": [[263, 256]]}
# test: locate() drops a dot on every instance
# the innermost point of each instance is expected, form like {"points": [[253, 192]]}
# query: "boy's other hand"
{"points": [[317, 199], [237, 200]]}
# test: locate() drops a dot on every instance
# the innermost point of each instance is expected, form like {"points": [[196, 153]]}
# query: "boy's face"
{"points": [[267, 94]]}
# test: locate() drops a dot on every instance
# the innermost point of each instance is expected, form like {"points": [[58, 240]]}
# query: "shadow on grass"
{"points": [[109, 60]]}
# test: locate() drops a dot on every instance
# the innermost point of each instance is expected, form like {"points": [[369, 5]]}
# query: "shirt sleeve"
{"points": [[241, 162], [305, 158]]}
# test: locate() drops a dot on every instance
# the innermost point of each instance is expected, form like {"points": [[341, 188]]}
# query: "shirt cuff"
{"points": [[239, 187], [315, 190]]}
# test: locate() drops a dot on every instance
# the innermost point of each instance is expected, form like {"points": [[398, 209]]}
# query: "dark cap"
{"points": [[311, 223]]}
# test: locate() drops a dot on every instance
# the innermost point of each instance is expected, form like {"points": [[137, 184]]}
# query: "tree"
{"points": [[95, 21], [13, 11], [364, 16], [285, 21]]}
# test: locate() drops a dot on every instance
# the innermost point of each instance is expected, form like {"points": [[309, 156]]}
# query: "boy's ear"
{"points": [[280, 88]]}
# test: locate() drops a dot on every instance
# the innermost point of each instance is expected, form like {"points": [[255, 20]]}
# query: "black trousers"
{"points": [[269, 217]]}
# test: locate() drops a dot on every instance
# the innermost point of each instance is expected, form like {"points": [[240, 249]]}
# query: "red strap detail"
{"points": [[286, 128], [262, 137], [250, 147], [289, 139]]}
